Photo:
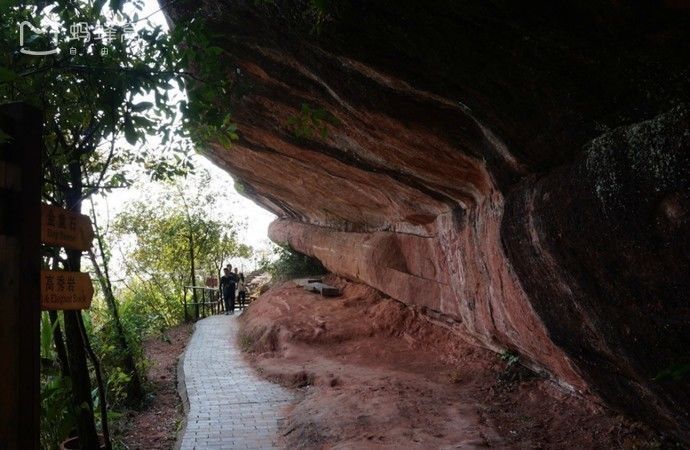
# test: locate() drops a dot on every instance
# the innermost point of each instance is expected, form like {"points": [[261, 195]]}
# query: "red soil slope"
{"points": [[375, 373]]}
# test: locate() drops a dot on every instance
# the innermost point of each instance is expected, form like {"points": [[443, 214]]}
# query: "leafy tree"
{"points": [[100, 261], [176, 237], [286, 263], [100, 107]]}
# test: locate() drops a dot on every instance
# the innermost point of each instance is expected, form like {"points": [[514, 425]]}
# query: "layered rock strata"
{"points": [[521, 169]]}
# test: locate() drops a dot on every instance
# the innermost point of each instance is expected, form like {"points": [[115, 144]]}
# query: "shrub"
{"points": [[289, 263]]}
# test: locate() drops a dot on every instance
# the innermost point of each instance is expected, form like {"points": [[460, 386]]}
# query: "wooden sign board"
{"points": [[63, 228], [62, 290]]}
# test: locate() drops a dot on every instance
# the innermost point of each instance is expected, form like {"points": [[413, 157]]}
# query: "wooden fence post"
{"points": [[20, 259], [184, 300], [196, 305]]}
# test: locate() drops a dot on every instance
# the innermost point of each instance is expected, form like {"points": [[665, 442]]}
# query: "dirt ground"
{"points": [[373, 373], [155, 427]]}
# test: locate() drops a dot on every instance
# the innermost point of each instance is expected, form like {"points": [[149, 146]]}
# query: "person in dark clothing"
{"points": [[228, 283], [241, 291]]}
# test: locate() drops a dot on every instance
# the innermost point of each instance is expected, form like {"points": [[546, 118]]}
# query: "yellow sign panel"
{"points": [[63, 228], [62, 290]]}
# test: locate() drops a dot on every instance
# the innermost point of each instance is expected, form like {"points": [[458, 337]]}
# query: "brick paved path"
{"points": [[230, 406]]}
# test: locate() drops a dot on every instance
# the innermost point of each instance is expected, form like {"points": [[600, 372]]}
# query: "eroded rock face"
{"points": [[522, 170]]}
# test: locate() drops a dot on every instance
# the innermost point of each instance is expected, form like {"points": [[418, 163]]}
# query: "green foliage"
{"points": [[46, 338], [240, 188], [318, 13], [173, 234], [102, 108], [57, 417], [246, 342], [510, 357], [514, 372], [6, 75], [311, 122], [104, 340], [146, 310], [4, 137], [286, 264], [675, 372], [320, 5], [117, 382]]}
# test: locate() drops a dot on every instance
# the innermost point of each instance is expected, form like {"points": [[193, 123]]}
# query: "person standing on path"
{"points": [[228, 283], [241, 291]]}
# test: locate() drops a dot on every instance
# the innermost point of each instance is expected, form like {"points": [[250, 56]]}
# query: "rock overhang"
{"points": [[521, 169]]}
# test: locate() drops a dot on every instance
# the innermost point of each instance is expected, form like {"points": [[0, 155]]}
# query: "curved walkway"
{"points": [[229, 406]]}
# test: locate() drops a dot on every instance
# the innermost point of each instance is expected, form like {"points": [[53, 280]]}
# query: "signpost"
{"points": [[62, 228], [71, 292], [24, 288], [62, 290]]}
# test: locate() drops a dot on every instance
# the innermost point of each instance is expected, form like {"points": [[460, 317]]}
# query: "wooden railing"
{"points": [[204, 301]]}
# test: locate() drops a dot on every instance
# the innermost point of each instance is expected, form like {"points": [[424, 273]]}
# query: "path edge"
{"points": [[182, 392]]}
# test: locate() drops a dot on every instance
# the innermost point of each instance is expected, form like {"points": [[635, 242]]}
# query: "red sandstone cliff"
{"points": [[522, 169]]}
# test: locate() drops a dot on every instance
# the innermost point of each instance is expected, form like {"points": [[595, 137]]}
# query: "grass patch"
{"points": [[246, 343]]}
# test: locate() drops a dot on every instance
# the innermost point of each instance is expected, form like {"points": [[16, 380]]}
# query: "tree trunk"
{"points": [[58, 339], [190, 238], [101, 386], [135, 392], [192, 268], [59, 344], [81, 383]]}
